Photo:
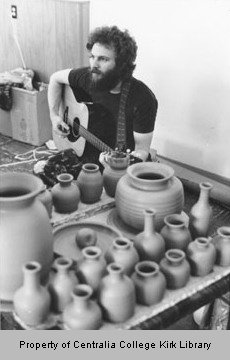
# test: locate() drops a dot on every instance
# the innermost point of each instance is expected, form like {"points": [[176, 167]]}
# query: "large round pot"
{"points": [[148, 185], [25, 231]]}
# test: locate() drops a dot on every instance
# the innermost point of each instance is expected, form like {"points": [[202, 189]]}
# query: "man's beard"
{"points": [[107, 82]]}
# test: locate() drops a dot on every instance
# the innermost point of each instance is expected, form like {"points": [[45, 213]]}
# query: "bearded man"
{"points": [[112, 55]]}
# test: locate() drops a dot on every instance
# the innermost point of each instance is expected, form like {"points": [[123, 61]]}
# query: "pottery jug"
{"points": [[115, 168], [82, 313], [149, 243], [124, 253], [148, 185], [45, 196], [32, 300], [25, 230], [175, 232], [66, 194], [62, 282], [150, 283], [92, 267], [176, 268], [116, 295], [90, 182], [201, 254], [200, 215], [221, 242]]}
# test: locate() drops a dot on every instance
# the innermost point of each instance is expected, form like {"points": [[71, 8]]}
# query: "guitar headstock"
{"points": [[132, 159]]}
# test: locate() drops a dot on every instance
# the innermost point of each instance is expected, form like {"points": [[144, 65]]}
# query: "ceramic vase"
{"points": [[61, 284], [201, 254], [200, 215], [124, 253], [116, 295], [25, 230], [82, 313], [222, 244], [66, 194], [175, 232], [90, 182], [148, 185], [150, 283], [45, 196], [32, 300], [150, 244], [175, 268], [114, 169], [92, 267]]}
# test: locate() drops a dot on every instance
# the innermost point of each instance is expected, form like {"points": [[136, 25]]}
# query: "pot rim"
{"points": [[147, 263]]}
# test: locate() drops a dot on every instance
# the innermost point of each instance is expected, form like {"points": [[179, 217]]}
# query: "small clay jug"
{"points": [[32, 300], [150, 244], [124, 253], [92, 267], [90, 182], [200, 215], [116, 295], [62, 282], [150, 283], [82, 313], [201, 254], [175, 232], [66, 194], [46, 198], [221, 242], [176, 268], [115, 168]]}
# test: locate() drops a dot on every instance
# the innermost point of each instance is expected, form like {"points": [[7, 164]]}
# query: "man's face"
{"points": [[103, 67]]}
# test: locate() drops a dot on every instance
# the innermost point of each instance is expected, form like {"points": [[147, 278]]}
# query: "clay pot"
{"points": [[149, 243], [150, 283], [62, 282], [114, 169], [82, 313], [85, 237], [32, 300], [200, 215], [66, 194], [124, 253], [175, 232], [176, 268], [117, 295], [26, 233], [45, 196], [90, 182], [92, 267], [201, 254], [148, 185], [222, 244]]}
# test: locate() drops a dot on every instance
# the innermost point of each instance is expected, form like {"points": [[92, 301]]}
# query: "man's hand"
{"points": [[59, 126]]}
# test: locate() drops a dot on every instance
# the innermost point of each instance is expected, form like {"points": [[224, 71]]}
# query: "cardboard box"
{"points": [[5, 123], [30, 116]]}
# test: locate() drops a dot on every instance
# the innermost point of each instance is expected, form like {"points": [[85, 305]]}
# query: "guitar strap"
{"points": [[121, 122]]}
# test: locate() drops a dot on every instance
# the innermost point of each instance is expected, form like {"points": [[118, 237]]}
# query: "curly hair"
{"points": [[124, 45]]}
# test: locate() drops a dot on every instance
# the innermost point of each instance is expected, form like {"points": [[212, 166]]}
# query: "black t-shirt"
{"points": [[140, 112]]}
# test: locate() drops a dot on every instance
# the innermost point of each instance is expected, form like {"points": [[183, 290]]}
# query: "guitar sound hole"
{"points": [[74, 134]]}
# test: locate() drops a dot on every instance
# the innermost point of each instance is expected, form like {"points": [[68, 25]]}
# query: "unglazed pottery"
{"points": [[222, 244], [85, 237], [32, 300], [176, 268], [61, 284], [175, 232], [45, 196], [116, 295], [25, 230], [90, 182], [148, 185], [66, 194], [201, 254], [200, 216], [124, 253], [150, 244], [82, 313], [150, 283], [114, 169]]}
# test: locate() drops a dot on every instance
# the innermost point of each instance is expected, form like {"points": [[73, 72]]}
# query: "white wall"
{"points": [[184, 57]]}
